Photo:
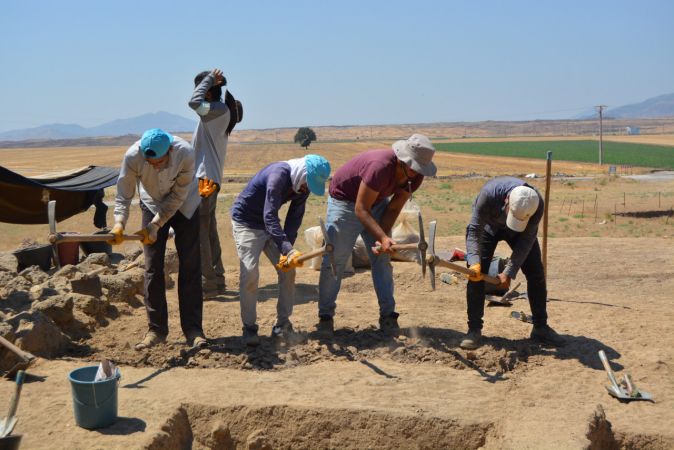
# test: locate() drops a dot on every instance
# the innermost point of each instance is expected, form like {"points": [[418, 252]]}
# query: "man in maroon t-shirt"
{"points": [[366, 196]]}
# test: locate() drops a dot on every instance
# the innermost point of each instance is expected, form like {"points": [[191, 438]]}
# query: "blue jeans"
{"points": [[343, 228]]}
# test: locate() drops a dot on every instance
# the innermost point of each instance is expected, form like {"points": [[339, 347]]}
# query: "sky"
{"points": [[328, 62]]}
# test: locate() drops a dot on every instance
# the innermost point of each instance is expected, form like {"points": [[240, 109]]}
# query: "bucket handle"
{"points": [[93, 391]]}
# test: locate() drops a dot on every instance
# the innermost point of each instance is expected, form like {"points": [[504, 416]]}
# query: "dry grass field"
{"points": [[610, 282]]}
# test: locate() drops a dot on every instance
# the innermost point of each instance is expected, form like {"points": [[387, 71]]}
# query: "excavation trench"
{"points": [[194, 426]]}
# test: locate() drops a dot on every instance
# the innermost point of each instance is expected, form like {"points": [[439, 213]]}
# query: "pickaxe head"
{"points": [[422, 247], [329, 248], [431, 251]]}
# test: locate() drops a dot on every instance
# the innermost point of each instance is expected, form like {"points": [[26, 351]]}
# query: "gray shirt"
{"points": [[489, 216], [165, 191], [210, 138]]}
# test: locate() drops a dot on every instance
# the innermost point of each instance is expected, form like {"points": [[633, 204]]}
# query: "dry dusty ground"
{"points": [[610, 288], [508, 394]]}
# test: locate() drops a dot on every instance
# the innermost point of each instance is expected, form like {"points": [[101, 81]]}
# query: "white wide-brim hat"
{"points": [[417, 152]]}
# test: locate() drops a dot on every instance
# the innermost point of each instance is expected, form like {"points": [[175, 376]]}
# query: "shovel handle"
{"points": [[20, 376]]}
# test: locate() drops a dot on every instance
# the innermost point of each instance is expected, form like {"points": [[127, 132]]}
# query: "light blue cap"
{"points": [[318, 172], [155, 142]]}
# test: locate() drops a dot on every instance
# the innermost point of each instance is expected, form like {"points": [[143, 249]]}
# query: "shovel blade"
{"points": [[7, 426]]}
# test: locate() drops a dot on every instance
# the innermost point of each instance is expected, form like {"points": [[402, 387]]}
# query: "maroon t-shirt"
{"points": [[377, 169]]}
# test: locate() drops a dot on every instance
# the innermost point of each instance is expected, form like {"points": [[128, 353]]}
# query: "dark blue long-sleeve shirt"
{"points": [[489, 216], [258, 204]]}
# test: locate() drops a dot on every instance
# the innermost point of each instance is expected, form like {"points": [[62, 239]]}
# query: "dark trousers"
{"points": [[532, 268], [190, 297], [212, 269]]}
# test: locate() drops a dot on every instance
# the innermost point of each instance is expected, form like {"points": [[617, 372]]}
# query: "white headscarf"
{"points": [[298, 173]]}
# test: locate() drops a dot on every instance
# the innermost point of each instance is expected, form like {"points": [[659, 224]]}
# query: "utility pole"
{"points": [[600, 108]]}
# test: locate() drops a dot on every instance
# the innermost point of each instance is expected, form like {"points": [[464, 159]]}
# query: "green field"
{"points": [[584, 151]]}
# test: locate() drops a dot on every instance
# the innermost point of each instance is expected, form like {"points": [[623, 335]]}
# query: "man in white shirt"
{"points": [[163, 168]]}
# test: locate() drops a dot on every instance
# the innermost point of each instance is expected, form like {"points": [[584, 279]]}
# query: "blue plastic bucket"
{"points": [[95, 403]]}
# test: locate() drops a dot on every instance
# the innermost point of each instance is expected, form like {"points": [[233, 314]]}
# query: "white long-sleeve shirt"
{"points": [[165, 191]]}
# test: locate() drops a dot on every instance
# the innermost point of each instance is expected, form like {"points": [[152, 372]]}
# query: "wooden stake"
{"points": [[582, 210], [548, 167]]}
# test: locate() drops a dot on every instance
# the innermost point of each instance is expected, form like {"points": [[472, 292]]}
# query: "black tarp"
{"points": [[24, 200]]}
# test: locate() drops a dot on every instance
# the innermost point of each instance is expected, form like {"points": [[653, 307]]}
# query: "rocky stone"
{"points": [[123, 287], [6, 277], [132, 253], [58, 308], [68, 271], [100, 259], [34, 274], [18, 283], [15, 300], [38, 334], [8, 262], [89, 305]]}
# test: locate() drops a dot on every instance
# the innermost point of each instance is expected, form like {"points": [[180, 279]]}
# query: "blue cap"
{"points": [[318, 171], [155, 143]]}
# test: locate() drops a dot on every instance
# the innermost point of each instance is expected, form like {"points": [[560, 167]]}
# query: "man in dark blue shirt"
{"points": [[257, 228], [506, 209]]}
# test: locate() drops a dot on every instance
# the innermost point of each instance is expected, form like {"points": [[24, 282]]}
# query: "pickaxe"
{"points": [[434, 260], [26, 359], [327, 248], [420, 246], [56, 238]]}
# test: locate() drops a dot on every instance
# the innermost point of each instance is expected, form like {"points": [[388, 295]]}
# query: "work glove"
{"points": [[149, 233], [477, 268], [288, 262], [207, 187], [117, 233]]}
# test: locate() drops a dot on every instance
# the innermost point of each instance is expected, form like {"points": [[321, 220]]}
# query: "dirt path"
{"points": [[509, 394]]}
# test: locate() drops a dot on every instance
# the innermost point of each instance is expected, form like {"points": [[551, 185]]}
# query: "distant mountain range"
{"points": [[134, 125], [660, 106]]}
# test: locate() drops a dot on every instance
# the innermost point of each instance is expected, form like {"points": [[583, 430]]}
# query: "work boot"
{"points": [[472, 340], [325, 327], [210, 294], [546, 335], [389, 324], [196, 339], [250, 337], [282, 331], [151, 339]]}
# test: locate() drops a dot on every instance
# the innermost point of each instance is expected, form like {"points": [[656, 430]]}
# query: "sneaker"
{"points": [[472, 340], [151, 339], [196, 339], [325, 326], [250, 337], [546, 335], [389, 324], [282, 331]]}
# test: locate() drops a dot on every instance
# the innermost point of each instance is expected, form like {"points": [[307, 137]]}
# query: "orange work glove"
{"points": [[477, 268], [289, 261], [118, 234], [207, 187], [149, 233]]}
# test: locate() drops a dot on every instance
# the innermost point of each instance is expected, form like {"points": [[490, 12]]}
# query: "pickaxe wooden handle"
{"points": [[432, 259], [314, 253], [16, 350]]}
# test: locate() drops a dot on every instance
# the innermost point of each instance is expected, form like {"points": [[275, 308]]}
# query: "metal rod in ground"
{"points": [[570, 203], [624, 200], [615, 213], [548, 167], [562, 207], [595, 208]]}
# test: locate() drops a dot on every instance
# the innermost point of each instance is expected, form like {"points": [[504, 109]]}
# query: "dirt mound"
{"points": [[266, 428]]}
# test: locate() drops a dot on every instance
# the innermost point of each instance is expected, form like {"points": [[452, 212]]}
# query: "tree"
{"points": [[305, 136]]}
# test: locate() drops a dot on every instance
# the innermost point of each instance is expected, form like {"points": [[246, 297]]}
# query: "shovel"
{"points": [[7, 424], [26, 358]]}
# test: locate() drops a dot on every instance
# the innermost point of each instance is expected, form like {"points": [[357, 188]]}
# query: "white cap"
{"points": [[522, 204]]}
